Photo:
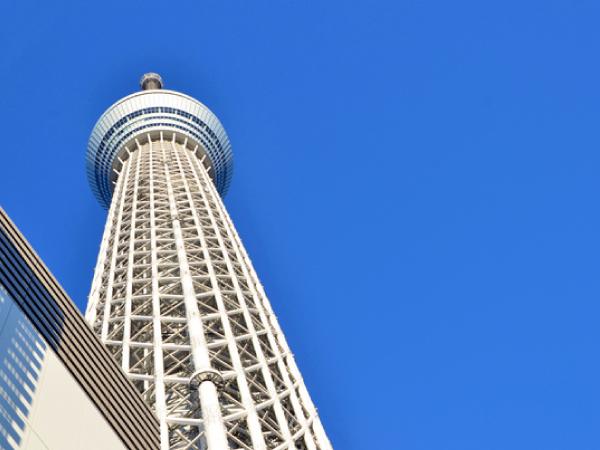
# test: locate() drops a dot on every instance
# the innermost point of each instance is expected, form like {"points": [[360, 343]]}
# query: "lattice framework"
{"points": [[177, 301]]}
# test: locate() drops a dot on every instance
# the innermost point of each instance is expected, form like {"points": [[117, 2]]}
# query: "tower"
{"points": [[174, 296]]}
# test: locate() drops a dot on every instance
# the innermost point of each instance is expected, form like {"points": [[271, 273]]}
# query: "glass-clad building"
{"points": [[59, 387]]}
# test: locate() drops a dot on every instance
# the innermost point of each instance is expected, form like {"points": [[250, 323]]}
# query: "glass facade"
{"points": [[22, 353], [41, 405]]}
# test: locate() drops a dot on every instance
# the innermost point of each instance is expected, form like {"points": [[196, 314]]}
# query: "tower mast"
{"points": [[174, 296]]}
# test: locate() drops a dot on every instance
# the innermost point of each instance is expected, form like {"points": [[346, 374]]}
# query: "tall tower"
{"points": [[174, 296]]}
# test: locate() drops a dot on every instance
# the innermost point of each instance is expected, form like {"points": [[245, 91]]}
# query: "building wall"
{"points": [[54, 371], [41, 405]]}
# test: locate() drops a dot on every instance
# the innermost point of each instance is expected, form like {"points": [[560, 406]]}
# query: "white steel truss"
{"points": [[177, 301]]}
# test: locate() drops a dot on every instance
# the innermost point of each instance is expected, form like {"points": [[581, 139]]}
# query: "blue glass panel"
{"points": [[21, 355]]}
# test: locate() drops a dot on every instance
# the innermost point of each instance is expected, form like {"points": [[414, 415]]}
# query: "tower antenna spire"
{"points": [[151, 80]]}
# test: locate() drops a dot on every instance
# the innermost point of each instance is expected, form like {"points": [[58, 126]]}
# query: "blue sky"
{"points": [[416, 182]]}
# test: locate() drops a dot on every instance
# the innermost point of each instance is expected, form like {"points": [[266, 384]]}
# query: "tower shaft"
{"points": [[177, 301]]}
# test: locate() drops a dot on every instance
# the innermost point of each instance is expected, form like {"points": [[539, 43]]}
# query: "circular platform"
{"points": [[147, 112]]}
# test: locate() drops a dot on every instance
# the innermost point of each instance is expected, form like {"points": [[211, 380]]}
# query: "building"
{"points": [[60, 389], [175, 297]]}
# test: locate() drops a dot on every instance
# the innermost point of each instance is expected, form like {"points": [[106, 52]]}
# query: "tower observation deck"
{"points": [[174, 296]]}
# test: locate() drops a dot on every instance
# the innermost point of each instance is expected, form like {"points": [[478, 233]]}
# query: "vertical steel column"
{"points": [[90, 313], [135, 158], [113, 256], [159, 382], [216, 436]]}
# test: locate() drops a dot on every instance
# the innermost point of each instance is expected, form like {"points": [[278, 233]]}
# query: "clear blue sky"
{"points": [[417, 183]]}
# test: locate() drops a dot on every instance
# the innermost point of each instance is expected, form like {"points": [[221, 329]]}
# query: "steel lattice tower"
{"points": [[175, 296]]}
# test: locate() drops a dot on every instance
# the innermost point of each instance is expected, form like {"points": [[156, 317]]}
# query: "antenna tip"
{"points": [[151, 80]]}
